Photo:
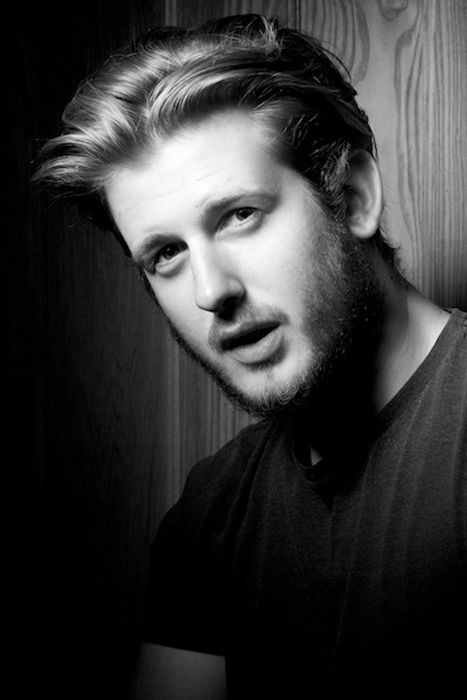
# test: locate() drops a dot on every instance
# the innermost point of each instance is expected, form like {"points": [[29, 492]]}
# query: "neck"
{"points": [[348, 404], [411, 326]]}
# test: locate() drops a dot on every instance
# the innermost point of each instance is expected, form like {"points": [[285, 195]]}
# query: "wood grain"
{"points": [[407, 60], [419, 57], [117, 414]]}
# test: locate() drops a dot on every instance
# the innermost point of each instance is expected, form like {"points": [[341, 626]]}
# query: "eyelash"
{"points": [[224, 222], [169, 245], [236, 211]]}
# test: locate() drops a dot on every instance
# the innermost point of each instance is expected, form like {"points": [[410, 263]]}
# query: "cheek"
{"points": [[176, 302], [287, 267]]}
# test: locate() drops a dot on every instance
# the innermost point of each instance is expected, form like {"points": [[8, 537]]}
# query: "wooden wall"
{"points": [[108, 415]]}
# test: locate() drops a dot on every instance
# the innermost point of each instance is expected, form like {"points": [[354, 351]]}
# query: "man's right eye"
{"points": [[168, 253]]}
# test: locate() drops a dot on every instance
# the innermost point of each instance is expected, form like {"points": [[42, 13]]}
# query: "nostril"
{"points": [[228, 307]]}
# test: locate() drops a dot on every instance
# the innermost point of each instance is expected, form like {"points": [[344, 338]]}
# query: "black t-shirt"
{"points": [[312, 590]]}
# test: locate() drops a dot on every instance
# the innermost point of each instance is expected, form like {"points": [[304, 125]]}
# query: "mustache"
{"points": [[247, 315]]}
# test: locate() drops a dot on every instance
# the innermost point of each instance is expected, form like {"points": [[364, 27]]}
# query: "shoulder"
{"points": [[230, 461], [458, 323], [451, 352], [214, 483], [425, 423], [445, 367]]}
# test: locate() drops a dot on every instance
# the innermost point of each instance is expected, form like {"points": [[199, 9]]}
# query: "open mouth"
{"points": [[248, 338]]}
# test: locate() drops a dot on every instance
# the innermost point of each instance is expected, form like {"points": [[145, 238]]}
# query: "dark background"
{"points": [[104, 415]]}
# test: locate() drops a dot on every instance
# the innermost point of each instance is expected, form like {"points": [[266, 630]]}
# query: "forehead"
{"points": [[220, 157]]}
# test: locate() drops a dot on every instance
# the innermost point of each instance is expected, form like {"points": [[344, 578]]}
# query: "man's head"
{"points": [[171, 77], [253, 124]]}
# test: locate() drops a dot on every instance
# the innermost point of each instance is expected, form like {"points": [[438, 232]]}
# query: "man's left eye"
{"points": [[240, 215], [244, 213]]}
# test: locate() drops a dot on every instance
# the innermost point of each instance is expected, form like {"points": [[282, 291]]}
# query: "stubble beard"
{"points": [[343, 323]]}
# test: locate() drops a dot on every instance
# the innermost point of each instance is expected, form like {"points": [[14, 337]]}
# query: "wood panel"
{"points": [[416, 93], [116, 414], [408, 61]]}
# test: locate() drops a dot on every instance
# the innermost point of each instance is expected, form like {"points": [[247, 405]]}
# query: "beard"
{"points": [[343, 304]]}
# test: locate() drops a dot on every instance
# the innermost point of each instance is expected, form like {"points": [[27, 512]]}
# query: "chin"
{"points": [[274, 392]]}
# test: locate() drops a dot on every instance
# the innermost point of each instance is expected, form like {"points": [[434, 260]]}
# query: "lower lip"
{"points": [[261, 351]]}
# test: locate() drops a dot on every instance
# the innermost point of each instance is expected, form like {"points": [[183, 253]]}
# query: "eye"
{"points": [[168, 253], [244, 213], [239, 216]]}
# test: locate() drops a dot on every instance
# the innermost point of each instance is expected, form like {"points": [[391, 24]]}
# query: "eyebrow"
{"points": [[143, 252], [211, 209]]}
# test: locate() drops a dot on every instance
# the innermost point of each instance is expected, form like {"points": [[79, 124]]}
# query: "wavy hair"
{"points": [[171, 77]]}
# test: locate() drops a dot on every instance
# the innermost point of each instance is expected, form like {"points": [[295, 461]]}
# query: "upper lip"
{"points": [[245, 333]]}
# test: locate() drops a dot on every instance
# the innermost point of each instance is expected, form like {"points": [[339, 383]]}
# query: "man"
{"points": [[323, 550]]}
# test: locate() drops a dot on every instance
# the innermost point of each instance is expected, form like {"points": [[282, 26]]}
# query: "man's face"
{"points": [[257, 282]]}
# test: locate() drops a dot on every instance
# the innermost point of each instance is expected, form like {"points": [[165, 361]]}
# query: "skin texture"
{"points": [[275, 300], [261, 287]]}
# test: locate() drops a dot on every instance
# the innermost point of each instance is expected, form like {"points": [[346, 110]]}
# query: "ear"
{"points": [[364, 194]]}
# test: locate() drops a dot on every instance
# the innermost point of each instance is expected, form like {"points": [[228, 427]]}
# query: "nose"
{"points": [[217, 284]]}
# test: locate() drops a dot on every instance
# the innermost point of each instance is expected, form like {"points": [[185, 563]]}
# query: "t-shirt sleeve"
{"points": [[183, 605], [189, 586]]}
